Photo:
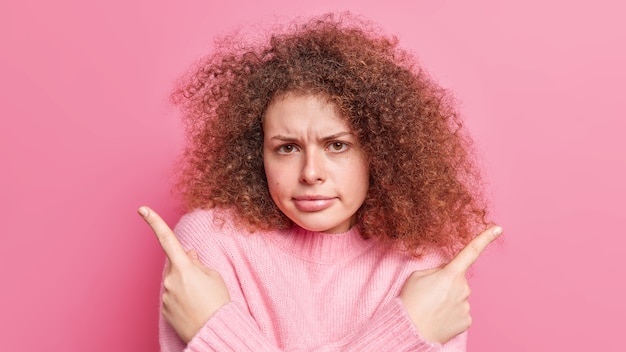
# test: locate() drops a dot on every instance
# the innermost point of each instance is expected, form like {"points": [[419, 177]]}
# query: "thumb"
{"points": [[426, 272], [193, 255]]}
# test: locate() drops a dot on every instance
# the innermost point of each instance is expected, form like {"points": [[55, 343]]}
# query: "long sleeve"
{"points": [[232, 329], [339, 294]]}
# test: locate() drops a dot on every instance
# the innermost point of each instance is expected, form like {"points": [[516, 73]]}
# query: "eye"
{"points": [[286, 149], [338, 146]]}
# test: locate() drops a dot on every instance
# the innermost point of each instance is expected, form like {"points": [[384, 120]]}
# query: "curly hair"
{"points": [[425, 190]]}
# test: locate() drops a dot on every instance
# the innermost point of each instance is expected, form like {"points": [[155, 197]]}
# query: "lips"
{"points": [[313, 203]]}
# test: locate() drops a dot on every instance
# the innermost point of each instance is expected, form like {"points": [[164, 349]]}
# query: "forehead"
{"points": [[291, 113]]}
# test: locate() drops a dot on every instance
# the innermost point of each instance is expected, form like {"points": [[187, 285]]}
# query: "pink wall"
{"points": [[86, 136]]}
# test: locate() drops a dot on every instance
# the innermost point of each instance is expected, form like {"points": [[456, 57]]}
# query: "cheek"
{"points": [[274, 186], [269, 174], [363, 185], [361, 176], [355, 181], [273, 183]]}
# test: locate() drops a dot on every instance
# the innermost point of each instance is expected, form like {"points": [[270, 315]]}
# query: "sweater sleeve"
{"points": [[233, 329]]}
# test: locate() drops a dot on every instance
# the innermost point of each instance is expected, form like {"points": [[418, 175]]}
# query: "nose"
{"points": [[313, 168]]}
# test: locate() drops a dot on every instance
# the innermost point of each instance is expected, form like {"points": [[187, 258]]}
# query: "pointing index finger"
{"points": [[169, 243], [468, 255]]}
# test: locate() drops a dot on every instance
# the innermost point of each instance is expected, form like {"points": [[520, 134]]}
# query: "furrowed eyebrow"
{"points": [[336, 135], [327, 138], [283, 138]]}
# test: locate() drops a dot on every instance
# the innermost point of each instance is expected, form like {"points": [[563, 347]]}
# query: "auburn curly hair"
{"points": [[424, 191]]}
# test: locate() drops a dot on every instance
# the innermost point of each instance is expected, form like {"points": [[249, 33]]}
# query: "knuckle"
{"points": [[468, 322], [165, 239], [166, 314], [475, 246], [167, 283], [467, 291]]}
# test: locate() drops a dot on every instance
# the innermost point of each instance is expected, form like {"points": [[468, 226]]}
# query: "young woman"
{"points": [[331, 194]]}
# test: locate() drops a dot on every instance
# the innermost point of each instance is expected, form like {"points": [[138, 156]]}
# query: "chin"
{"points": [[325, 228]]}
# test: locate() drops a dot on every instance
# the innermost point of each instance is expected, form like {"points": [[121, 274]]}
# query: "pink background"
{"points": [[86, 136]]}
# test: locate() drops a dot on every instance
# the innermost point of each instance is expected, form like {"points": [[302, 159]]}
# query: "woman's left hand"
{"points": [[192, 292], [437, 299]]}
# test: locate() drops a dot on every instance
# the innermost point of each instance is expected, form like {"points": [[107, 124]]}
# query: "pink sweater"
{"points": [[297, 290]]}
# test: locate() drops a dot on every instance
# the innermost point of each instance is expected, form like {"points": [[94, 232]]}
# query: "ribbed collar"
{"points": [[322, 247]]}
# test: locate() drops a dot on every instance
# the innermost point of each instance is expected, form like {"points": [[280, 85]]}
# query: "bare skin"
{"points": [[435, 299], [186, 304]]}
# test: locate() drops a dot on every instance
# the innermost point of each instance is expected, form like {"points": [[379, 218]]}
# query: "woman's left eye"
{"points": [[338, 146]]}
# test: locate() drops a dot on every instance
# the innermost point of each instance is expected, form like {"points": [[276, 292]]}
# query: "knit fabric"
{"points": [[297, 290]]}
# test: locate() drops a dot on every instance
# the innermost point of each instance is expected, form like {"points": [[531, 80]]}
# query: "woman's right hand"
{"points": [[192, 292], [437, 299]]}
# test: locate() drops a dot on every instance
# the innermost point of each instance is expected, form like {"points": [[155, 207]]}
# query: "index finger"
{"points": [[468, 255], [170, 244]]}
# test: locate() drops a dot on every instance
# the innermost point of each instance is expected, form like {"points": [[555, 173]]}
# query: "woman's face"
{"points": [[317, 173]]}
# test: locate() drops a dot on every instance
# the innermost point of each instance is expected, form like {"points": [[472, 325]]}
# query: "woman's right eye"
{"points": [[286, 149]]}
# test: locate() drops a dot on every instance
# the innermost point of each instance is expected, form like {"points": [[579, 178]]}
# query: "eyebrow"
{"points": [[327, 138]]}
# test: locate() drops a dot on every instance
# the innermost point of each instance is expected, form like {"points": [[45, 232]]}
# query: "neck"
{"points": [[323, 247]]}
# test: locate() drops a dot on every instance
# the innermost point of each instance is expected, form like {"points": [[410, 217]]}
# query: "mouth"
{"points": [[313, 203]]}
